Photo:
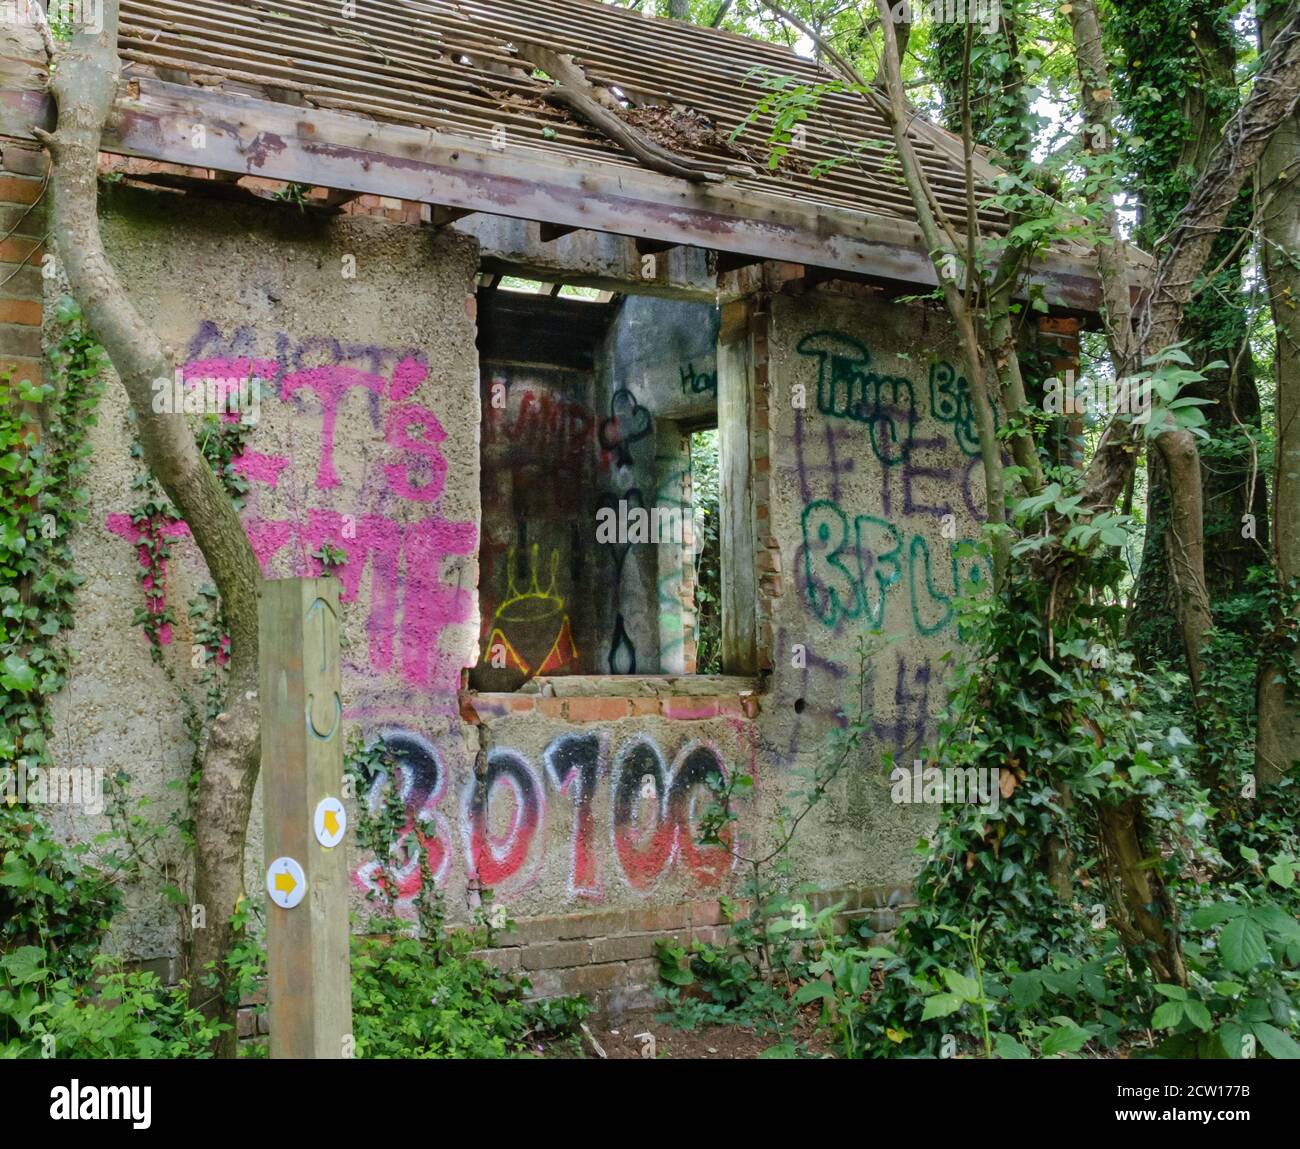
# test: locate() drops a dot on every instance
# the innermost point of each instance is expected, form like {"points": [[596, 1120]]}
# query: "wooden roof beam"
{"points": [[320, 147]]}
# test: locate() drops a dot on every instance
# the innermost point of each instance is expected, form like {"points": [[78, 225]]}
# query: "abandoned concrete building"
{"points": [[484, 327]]}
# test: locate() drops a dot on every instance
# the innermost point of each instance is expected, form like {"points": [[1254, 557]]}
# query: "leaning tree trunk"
{"points": [[1277, 746], [84, 85]]}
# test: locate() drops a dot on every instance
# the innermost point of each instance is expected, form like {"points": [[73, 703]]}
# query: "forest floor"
{"points": [[624, 1037]]}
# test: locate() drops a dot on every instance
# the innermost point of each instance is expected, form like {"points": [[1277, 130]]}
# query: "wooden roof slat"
{"points": [[404, 65]]}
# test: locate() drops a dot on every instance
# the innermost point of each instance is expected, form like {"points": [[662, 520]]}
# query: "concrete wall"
{"points": [[656, 375], [582, 815], [874, 483]]}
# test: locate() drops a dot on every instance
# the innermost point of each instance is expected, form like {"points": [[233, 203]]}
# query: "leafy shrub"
{"points": [[119, 1014], [418, 991]]}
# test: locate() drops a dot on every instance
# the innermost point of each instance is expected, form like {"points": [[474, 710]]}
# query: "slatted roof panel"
{"points": [[453, 65]]}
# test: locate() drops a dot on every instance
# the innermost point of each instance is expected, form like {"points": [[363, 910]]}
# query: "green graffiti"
{"points": [[848, 389], [824, 521], [950, 402], [923, 596], [888, 566], [837, 562]]}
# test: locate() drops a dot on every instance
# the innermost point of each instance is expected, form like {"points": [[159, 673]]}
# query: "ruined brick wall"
{"points": [[579, 808]]}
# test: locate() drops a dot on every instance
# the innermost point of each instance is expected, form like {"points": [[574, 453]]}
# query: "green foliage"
{"points": [[48, 897], [43, 464], [119, 1014], [428, 997], [330, 557], [706, 496]]}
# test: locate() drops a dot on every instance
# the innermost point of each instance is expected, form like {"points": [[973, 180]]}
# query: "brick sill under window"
{"points": [[609, 698]]}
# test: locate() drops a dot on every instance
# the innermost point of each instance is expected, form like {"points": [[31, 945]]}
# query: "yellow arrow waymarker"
{"points": [[286, 884], [330, 822]]}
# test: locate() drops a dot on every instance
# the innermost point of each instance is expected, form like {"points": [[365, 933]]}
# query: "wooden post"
{"points": [[309, 994]]}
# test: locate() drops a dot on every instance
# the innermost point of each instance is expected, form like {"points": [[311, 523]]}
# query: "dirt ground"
{"points": [[626, 1037]]}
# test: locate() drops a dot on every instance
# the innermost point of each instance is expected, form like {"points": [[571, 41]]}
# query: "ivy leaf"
{"points": [[1280, 1046], [964, 987], [17, 675], [1208, 916], [1009, 1048], [25, 964], [811, 992], [1068, 1038], [941, 1005], [1199, 1016], [1168, 1015], [1283, 872]]}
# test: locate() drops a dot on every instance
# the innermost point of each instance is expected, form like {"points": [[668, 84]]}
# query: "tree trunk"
{"points": [[1194, 52], [1277, 747], [84, 85], [1145, 912]]}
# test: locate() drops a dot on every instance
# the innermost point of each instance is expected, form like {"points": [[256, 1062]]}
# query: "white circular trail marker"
{"points": [[286, 884], [330, 822]]}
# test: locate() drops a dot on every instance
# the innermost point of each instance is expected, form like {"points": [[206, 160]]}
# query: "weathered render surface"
{"points": [[576, 802]]}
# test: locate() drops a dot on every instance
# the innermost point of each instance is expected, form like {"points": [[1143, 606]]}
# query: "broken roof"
{"points": [[441, 101], [462, 66]]}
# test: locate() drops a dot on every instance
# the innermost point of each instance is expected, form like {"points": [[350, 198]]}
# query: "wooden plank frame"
{"points": [[349, 153]]}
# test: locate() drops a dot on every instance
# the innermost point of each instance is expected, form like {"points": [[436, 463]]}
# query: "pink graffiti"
{"points": [[331, 384], [410, 606], [261, 468], [143, 535]]}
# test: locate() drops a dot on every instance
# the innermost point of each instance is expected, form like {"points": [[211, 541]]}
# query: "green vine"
{"points": [[43, 459]]}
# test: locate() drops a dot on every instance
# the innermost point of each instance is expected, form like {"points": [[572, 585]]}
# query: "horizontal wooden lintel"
{"points": [[244, 135]]}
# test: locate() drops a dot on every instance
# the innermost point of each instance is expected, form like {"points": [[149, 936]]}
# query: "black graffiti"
{"points": [[628, 423], [698, 382]]}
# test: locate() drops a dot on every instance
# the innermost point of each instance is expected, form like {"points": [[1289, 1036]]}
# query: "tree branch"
{"points": [[84, 87]]}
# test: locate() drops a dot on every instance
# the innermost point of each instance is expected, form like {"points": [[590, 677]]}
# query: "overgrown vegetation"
{"points": [[1015, 948], [707, 503]]}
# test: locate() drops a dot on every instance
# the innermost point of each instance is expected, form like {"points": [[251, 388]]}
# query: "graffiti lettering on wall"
{"points": [[906, 730], [891, 498], [543, 438], [950, 402], [847, 388], [554, 424], [698, 382], [653, 806], [378, 529], [628, 423], [850, 569]]}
